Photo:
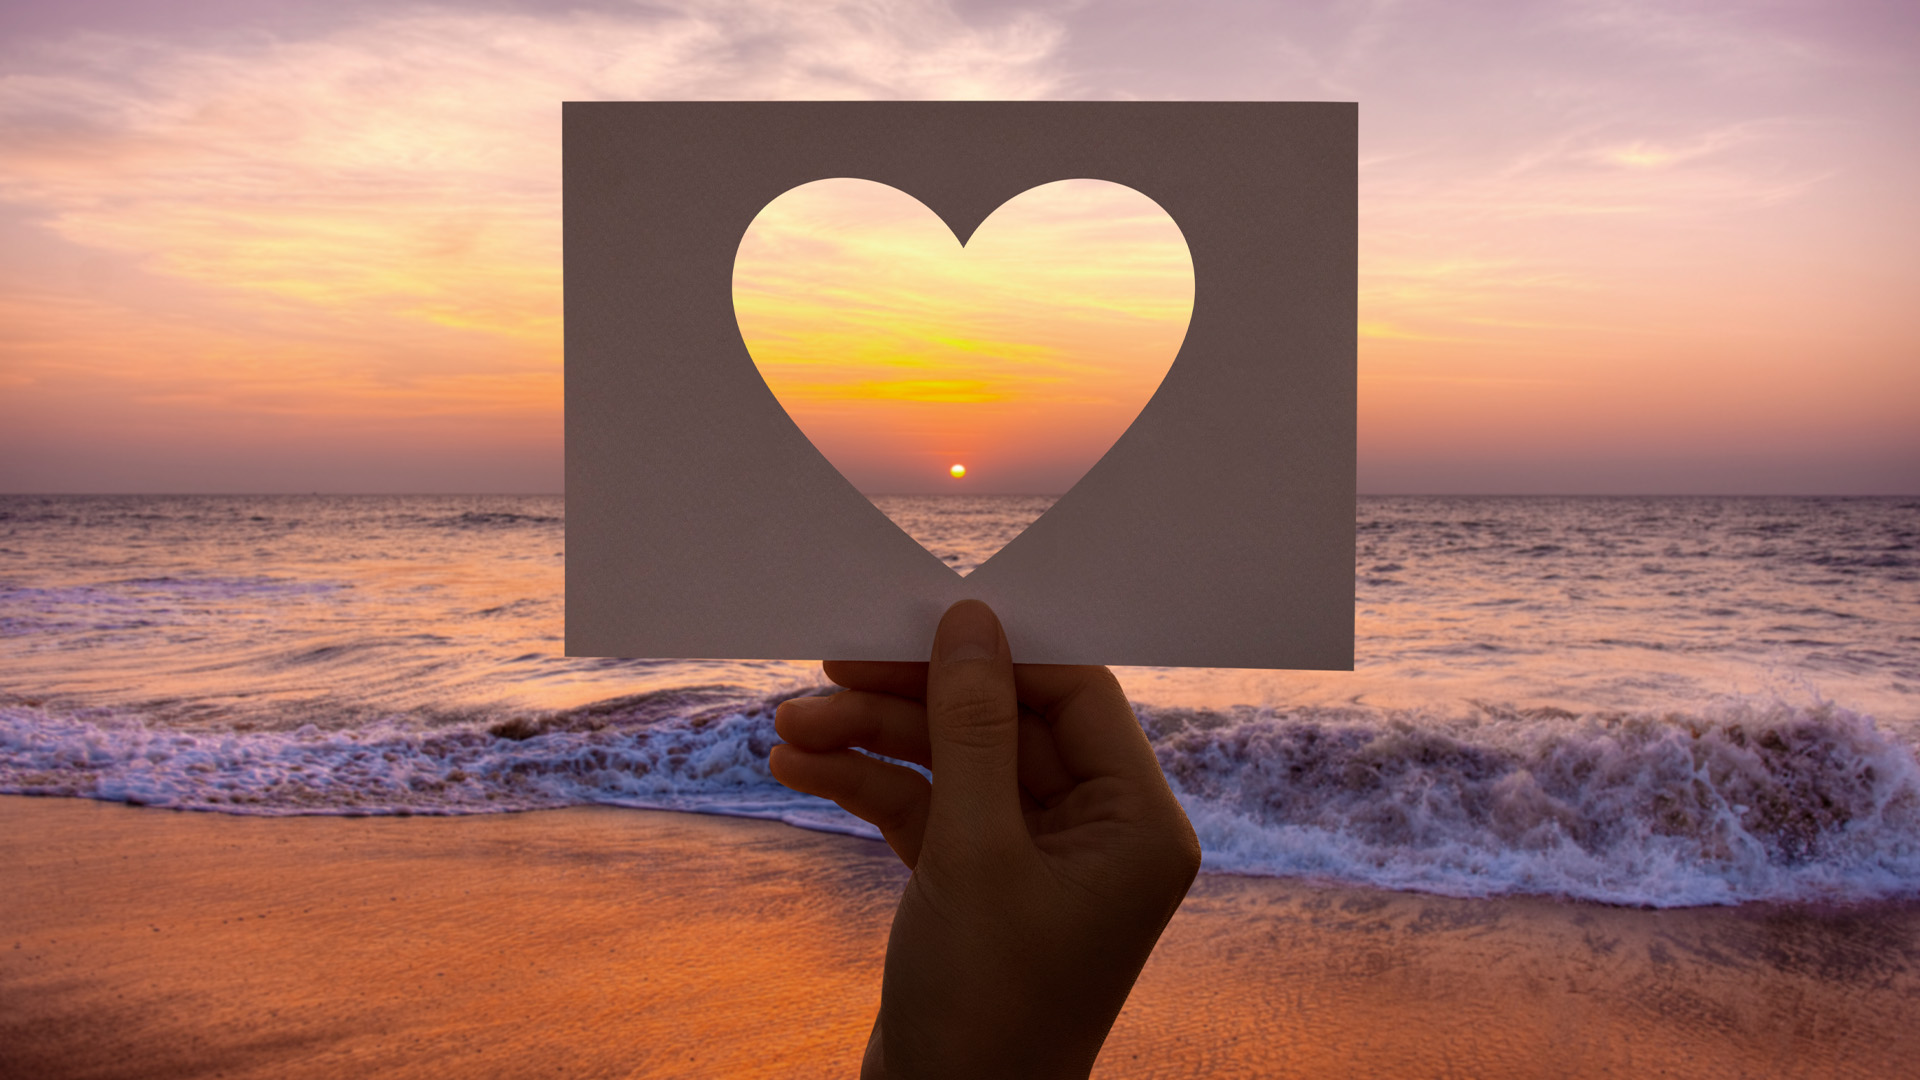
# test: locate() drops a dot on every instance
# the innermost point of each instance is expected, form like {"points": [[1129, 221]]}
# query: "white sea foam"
{"points": [[711, 761], [384, 655], [1746, 801]]}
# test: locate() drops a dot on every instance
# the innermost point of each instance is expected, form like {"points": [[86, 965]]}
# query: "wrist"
{"points": [[1040, 1055]]}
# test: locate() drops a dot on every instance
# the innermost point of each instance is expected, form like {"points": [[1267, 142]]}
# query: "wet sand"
{"points": [[599, 942]]}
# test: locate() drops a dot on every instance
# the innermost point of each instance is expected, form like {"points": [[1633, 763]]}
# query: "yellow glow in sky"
{"points": [[1025, 354]]}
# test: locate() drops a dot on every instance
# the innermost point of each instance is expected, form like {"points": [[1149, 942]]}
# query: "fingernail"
{"points": [[969, 632], [786, 713]]}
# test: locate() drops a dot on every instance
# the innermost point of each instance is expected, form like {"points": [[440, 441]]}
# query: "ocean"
{"points": [[1645, 701]]}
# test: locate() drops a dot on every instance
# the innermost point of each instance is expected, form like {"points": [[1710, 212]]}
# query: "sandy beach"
{"points": [[604, 942]]}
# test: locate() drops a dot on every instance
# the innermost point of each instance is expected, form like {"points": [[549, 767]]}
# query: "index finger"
{"points": [[1094, 728], [900, 678]]}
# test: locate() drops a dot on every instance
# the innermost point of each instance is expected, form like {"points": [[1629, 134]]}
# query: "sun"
{"points": [[958, 471]]}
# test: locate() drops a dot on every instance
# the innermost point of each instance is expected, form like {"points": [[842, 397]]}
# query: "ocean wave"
{"points": [[1746, 801], [1749, 800], [485, 519], [138, 603]]}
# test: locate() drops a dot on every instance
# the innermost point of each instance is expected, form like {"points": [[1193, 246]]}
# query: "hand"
{"points": [[1047, 854]]}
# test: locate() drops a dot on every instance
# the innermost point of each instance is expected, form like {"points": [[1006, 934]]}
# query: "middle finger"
{"points": [[890, 726]]}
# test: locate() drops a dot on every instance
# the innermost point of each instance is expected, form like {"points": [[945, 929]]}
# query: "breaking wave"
{"points": [[1749, 800]]}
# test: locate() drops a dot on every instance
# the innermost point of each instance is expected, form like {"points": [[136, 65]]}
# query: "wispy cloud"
{"points": [[356, 216], [370, 217], [410, 165]]}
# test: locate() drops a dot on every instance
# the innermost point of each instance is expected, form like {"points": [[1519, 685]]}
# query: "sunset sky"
{"points": [[1021, 357], [279, 245]]}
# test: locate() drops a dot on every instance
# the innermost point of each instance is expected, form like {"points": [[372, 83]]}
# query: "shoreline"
{"points": [[594, 941], [1323, 882]]}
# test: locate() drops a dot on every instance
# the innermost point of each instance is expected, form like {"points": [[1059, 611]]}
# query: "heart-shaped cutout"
{"points": [[963, 389]]}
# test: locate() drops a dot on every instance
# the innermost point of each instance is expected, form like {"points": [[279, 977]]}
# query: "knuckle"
{"points": [[893, 804], [869, 719], [977, 712], [1189, 856], [896, 819]]}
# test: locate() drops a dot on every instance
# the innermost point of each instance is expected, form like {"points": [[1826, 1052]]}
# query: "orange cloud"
{"points": [[360, 223]]}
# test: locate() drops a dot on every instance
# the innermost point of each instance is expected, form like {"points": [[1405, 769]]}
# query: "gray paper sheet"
{"points": [[1217, 532]]}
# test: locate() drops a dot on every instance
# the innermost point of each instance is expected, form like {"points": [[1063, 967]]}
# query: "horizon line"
{"points": [[969, 494]]}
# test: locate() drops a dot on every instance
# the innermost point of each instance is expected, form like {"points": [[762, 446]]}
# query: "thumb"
{"points": [[973, 725]]}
